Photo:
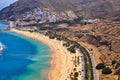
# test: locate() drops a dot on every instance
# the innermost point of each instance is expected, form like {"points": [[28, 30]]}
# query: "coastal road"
{"points": [[96, 74]]}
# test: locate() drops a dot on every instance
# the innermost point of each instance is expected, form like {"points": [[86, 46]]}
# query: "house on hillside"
{"points": [[12, 24]]}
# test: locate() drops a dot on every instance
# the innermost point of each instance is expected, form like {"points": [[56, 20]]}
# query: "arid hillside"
{"points": [[87, 8]]}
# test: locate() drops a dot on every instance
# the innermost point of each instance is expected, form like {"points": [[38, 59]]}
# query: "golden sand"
{"points": [[62, 60]]}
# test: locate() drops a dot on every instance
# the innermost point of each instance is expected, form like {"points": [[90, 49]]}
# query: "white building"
{"points": [[12, 24]]}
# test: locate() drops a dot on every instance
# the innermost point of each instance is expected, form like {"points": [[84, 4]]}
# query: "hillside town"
{"points": [[44, 15]]}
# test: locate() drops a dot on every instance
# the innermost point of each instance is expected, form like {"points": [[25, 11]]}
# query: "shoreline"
{"points": [[59, 68], [52, 52]]}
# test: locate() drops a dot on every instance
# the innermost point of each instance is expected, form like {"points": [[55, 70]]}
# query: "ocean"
{"points": [[23, 58]]}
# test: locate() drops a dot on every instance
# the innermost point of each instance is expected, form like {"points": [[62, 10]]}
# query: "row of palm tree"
{"points": [[72, 46]]}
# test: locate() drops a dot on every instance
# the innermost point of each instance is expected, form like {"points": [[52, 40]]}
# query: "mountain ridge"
{"points": [[87, 8]]}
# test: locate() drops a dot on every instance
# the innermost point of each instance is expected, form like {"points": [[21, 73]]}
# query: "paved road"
{"points": [[96, 74]]}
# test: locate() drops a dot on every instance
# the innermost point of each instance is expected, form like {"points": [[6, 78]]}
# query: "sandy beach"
{"points": [[62, 63]]}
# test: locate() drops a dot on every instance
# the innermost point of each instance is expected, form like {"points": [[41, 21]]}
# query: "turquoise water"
{"points": [[23, 58], [2, 25]]}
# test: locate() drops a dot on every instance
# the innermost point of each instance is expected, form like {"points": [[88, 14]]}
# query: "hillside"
{"points": [[88, 8]]}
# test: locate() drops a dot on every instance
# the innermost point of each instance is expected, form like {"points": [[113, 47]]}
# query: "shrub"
{"points": [[100, 66], [74, 69], [51, 37], [106, 71], [76, 74], [113, 62], [76, 45], [66, 44], [71, 49]]}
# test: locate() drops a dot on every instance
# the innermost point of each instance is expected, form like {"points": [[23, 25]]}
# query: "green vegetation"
{"points": [[100, 66], [106, 71], [76, 74], [78, 19], [88, 70], [72, 49], [66, 44], [87, 59], [113, 62], [51, 37]]}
